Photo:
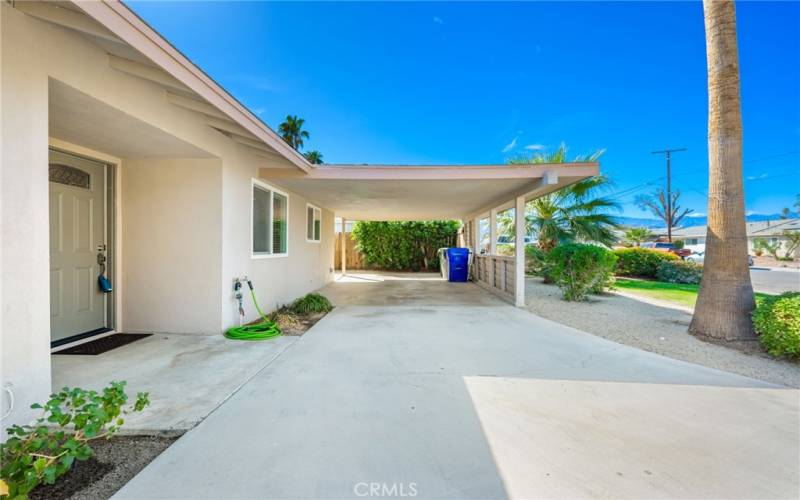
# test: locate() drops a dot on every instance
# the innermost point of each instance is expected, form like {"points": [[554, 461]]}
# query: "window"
{"points": [[270, 221], [313, 223]]}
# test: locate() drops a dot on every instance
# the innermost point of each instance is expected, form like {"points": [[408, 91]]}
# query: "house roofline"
{"points": [[133, 30]]}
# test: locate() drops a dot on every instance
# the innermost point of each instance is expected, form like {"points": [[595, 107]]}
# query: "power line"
{"points": [[668, 209]]}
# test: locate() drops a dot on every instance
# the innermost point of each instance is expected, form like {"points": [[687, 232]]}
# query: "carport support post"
{"points": [[492, 243], [343, 237], [519, 252]]}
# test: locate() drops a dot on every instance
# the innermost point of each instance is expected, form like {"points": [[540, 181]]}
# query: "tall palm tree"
{"points": [[725, 299], [313, 156], [292, 132], [574, 213]]}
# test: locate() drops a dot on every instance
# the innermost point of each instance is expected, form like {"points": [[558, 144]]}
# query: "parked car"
{"points": [[665, 246], [699, 257]]}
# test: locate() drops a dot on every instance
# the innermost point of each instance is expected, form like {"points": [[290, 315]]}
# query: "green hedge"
{"points": [[641, 262], [679, 271], [579, 269], [404, 246], [777, 322]]}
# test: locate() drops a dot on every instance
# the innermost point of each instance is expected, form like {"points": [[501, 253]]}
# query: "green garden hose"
{"points": [[260, 331]]}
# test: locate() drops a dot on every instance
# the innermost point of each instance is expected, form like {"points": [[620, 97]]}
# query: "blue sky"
{"points": [[481, 82]]}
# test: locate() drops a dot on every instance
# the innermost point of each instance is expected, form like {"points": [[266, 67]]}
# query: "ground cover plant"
{"points": [[41, 452], [310, 304]]}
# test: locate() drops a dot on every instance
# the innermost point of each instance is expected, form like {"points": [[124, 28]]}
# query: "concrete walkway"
{"points": [[436, 390]]}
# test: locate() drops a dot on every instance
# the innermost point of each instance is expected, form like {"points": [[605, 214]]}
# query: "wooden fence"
{"points": [[355, 260], [495, 273]]}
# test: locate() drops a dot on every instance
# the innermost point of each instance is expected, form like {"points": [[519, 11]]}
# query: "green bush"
{"points": [[45, 450], [535, 261], [777, 322], [641, 262], [679, 271], [580, 269], [404, 246], [310, 304]]}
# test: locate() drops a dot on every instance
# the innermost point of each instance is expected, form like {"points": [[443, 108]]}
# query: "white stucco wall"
{"points": [[277, 280], [25, 261], [171, 234], [184, 224]]}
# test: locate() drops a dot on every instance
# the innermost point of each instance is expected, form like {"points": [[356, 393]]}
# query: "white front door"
{"points": [[77, 235]]}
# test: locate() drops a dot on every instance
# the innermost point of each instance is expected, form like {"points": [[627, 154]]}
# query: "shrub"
{"points": [[777, 322], [641, 262], [679, 271], [285, 319], [311, 303], [404, 245], [535, 259], [580, 269], [44, 451]]}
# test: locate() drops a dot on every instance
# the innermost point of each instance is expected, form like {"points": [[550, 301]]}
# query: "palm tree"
{"points": [[292, 131], [725, 299], [313, 156], [636, 235], [574, 213]]}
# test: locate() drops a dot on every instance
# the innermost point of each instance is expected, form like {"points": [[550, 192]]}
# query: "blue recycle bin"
{"points": [[457, 264]]}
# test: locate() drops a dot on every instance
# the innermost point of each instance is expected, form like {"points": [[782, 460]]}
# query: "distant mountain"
{"points": [[694, 221]]}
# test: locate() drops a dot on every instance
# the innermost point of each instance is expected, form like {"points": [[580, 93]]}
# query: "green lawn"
{"points": [[685, 295]]}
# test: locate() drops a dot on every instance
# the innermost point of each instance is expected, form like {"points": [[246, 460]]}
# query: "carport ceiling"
{"points": [[413, 199]]}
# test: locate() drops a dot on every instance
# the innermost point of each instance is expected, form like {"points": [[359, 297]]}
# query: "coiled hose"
{"points": [[260, 331]]}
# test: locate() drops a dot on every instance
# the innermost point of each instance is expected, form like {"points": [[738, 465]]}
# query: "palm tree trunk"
{"points": [[725, 300]]}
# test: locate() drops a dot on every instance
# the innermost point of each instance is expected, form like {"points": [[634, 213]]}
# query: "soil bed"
{"points": [[303, 324], [114, 463]]}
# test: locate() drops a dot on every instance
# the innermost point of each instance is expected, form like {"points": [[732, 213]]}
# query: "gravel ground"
{"points": [[653, 326], [114, 463]]}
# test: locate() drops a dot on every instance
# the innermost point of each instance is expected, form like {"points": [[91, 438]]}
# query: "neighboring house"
{"points": [[118, 153], [773, 231]]}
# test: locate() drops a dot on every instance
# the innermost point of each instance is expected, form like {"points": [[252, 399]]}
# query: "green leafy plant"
{"points": [[777, 322], [636, 235], [404, 245], [310, 304], [679, 271], [580, 269], [641, 262], [792, 243], [535, 261], [41, 452], [678, 244], [764, 245]]}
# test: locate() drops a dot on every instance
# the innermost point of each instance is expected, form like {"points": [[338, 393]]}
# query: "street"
{"points": [[775, 282]]}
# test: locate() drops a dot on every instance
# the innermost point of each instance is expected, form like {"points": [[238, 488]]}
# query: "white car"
{"points": [[699, 257]]}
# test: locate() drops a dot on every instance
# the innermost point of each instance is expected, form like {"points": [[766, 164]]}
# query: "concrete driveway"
{"points": [[421, 388]]}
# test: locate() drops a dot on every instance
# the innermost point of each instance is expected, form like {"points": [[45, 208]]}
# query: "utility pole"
{"points": [[668, 208]]}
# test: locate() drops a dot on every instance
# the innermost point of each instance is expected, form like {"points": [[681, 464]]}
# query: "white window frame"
{"points": [[316, 209], [272, 190]]}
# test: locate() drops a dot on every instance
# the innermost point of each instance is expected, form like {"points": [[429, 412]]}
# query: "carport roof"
{"points": [[425, 192]]}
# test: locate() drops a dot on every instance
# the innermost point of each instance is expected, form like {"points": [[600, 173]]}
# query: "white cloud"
{"points": [[756, 177], [258, 111], [511, 145], [696, 214], [535, 147], [438, 20]]}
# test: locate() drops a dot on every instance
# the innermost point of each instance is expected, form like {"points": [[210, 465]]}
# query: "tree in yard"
{"points": [[575, 213], [667, 210], [725, 299], [763, 245], [636, 235], [292, 132], [786, 213], [792, 243], [313, 156]]}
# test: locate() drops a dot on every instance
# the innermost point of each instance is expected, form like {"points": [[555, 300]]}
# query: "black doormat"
{"points": [[104, 344]]}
